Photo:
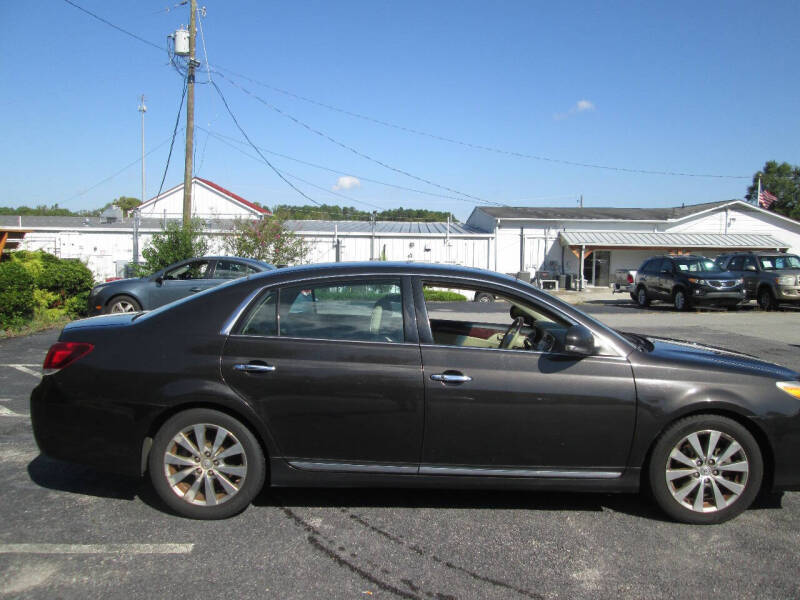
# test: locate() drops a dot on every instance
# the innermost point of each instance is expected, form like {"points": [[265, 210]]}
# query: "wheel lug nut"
{"points": [[699, 462], [196, 459], [216, 463], [198, 471], [696, 475], [716, 472], [211, 472], [208, 453]]}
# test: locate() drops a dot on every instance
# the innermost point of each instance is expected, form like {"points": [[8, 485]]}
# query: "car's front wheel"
{"points": [[680, 300], [705, 469], [123, 304], [641, 297], [205, 464], [765, 299]]}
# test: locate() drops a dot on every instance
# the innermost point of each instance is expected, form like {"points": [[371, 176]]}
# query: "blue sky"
{"points": [[682, 87]]}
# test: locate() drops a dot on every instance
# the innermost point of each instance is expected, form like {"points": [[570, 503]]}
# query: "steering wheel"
{"points": [[512, 333]]}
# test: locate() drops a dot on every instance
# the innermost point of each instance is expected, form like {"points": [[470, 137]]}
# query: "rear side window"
{"points": [[355, 310], [228, 269], [369, 311], [651, 266], [737, 263]]}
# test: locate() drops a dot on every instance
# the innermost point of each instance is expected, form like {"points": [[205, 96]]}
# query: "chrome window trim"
{"points": [[622, 346], [529, 352]]}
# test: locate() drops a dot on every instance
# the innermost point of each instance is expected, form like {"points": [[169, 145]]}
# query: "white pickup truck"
{"points": [[624, 281]]}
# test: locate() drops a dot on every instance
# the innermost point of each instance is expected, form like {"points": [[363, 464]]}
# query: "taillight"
{"points": [[63, 354], [630, 278]]}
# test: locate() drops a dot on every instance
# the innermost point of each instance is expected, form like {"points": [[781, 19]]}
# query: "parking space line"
{"points": [[7, 412], [118, 549], [25, 368]]}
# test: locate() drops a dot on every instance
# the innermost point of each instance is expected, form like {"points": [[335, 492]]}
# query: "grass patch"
{"points": [[39, 323]]}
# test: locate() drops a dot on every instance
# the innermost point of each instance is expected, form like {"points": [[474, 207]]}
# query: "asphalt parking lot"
{"points": [[70, 532]]}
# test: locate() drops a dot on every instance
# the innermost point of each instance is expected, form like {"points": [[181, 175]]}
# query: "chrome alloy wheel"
{"points": [[707, 471], [122, 306], [205, 464]]}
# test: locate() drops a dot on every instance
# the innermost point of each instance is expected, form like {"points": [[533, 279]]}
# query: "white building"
{"points": [[551, 240], [538, 241]]}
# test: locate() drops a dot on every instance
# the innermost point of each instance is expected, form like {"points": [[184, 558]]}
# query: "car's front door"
{"points": [[749, 273], [334, 368], [181, 281], [541, 412]]}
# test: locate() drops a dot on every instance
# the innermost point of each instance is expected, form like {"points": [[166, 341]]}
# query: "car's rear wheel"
{"points": [[484, 297], [641, 297], [123, 304], [680, 300], [705, 469], [205, 464], [765, 299]]}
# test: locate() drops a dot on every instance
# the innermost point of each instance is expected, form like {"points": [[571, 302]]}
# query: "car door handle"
{"points": [[196, 289], [451, 378], [253, 368]]}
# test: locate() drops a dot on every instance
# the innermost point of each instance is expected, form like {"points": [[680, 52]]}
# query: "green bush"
{"points": [[16, 294], [67, 277], [443, 296], [172, 245], [34, 261]]}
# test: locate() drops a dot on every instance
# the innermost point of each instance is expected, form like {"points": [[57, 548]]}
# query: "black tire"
{"points": [[249, 463], [765, 299], [681, 301], [483, 297], [641, 297], [123, 304], [705, 475], [633, 296]]}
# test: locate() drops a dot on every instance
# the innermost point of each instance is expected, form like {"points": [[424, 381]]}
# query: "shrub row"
{"points": [[38, 285]]}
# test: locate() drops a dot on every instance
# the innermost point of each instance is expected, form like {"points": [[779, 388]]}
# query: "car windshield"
{"points": [[778, 263], [696, 265]]}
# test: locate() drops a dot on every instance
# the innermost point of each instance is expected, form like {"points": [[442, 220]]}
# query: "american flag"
{"points": [[765, 199]]}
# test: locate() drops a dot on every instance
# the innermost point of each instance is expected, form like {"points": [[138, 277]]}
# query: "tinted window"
{"points": [[737, 262], [262, 319], [652, 266], [228, 269], [365, 310], [667, 266], [193, 270]]}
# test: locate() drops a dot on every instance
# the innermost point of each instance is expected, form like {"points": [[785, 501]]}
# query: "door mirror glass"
{"points": [[159, 280], [579, 340], [750, 268]]}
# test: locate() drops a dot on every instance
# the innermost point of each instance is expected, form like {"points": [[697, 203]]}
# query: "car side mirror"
{"points": [[666, 272], [749, 268], [579, 340], [159, 280]]}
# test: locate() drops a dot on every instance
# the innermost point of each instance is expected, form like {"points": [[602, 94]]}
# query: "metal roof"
{"points": [[669, 240], [597, 213], [384, 227]]}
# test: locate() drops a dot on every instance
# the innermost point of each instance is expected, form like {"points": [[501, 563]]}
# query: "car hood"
{"points": [[113, 320], [711, 357]]}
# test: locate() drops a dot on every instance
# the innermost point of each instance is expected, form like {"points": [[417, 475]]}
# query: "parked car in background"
{"points": [[685, 281], [171, 283], [344, 375], [769, 277], [625, 281]]}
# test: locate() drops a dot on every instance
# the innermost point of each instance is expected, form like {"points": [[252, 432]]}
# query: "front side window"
{"points": [[193, 270], [736, 263], [508, 323]]}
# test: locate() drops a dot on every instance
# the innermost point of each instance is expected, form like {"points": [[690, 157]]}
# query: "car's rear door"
{"points": [[334, 368], [547, 414]]}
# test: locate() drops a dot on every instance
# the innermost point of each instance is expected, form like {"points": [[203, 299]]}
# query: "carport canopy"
{"points": [[673, 242], [10, 239]]}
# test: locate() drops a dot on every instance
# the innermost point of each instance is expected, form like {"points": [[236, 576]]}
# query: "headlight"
{"points": [[740, 282], [699, 281], [785, 280], [790, 387]]}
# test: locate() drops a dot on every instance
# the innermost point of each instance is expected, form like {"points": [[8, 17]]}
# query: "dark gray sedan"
{"points": [[176, 281], [348, 375]]}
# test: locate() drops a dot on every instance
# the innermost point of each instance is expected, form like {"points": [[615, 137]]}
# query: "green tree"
{"points": [[126, 204], [266, 239], [173, 244], [782, 180], [328, 212]]}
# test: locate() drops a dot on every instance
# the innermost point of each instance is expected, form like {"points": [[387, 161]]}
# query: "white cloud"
{"points": [[346, 182], [580, 106]]}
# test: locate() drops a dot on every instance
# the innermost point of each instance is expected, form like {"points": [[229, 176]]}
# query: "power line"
{"points": [[110, 177], [117, 27], [470, 144], [337, 171], [350, 148], [172, 143], [264, 158], [285, 172]]}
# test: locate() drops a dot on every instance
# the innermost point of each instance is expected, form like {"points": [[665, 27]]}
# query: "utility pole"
{"points": [[142, 109], [187, 171], [372, 235]]}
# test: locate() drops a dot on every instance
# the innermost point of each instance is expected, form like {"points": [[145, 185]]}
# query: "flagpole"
{"points": [[758, 196]]}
